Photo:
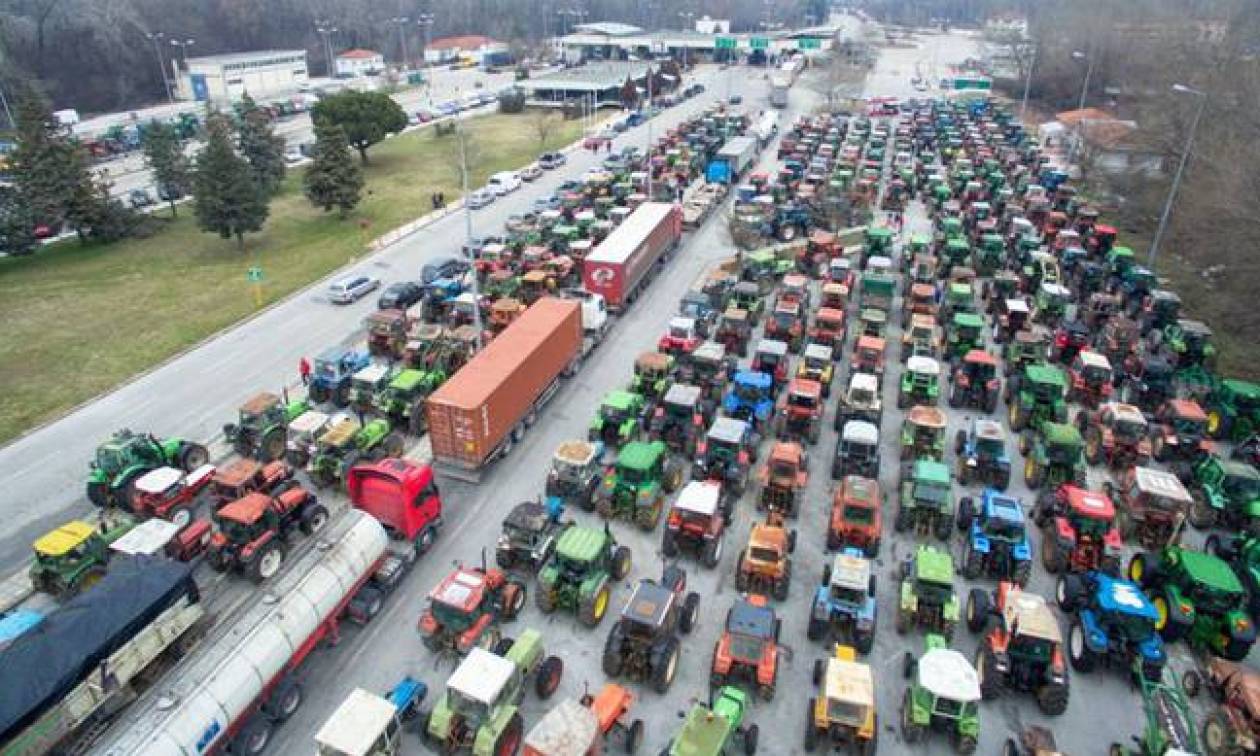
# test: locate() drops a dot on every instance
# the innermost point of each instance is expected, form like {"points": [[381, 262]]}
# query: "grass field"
{"points": [[80, 320]]}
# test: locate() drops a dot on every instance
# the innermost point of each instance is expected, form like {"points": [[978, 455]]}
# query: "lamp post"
{"points": [[183, 46], [4, 103], [1023, 103], [1089, 72], [468, 227], [326, 31], [425, 22], [650, 115], [400, 22], [1181, 166], [687, 17], [156, 38]]}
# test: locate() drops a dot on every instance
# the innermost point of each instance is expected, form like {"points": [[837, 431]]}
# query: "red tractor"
{"points": [[748, 651], [800, 411], [170, 494], [1179, 432], [252, 532], [697, 522], [828, 329], [855, 516], [244, 476], [975, 382], [1078, 530], [465, 609], [787, 324], [794, 288], [680, 338], [868, 356], [1116, 434], [1089, 379], [783, 479]]}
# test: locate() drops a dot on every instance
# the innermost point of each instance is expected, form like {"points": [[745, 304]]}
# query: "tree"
{"points": [[17, 223], [545, 124], [164, 153], [332, 179], [365, 117], [629, 93], [227, 200], [48, 169], [259, 145]]}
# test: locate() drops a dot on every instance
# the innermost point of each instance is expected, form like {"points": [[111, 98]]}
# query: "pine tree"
{"points": [[164, 153], [366, 117], [259, 145], [227, 200], [17, 223], [50, 170], [332, 179]]}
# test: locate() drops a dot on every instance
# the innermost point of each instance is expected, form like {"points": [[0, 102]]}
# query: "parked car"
{"points": [[352, 288], [139, 198], [736, 99], [424, 115], [445, 266], [480, 198], [400, 295], [504, 182], [550, 202], [549, 160], [293, 155], [531, 172], [168, 193]]}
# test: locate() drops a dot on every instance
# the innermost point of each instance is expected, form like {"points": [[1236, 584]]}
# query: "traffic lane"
{"points": [[42, 474], [896, 65]]}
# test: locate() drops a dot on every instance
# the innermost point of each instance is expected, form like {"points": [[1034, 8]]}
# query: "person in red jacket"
{"points": [[304, 369]]}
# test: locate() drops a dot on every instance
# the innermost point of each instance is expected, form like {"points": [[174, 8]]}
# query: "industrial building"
{"points": [[600, 82], [359, 62], [224, 78], [616, 41]]}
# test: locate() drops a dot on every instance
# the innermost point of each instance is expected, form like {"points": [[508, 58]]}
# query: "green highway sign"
{"points": [[810, 43], [724, 43], [758, 43], [254, 275]]}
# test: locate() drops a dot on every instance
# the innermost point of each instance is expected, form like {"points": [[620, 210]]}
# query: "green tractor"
{"points": [[1233, 410], [580, 574], [1053, 455], [944, 695], [636, 486], [1170, 727], [920, 382], [126, 456], [927, 499], [73, 557], [653, 375], [927, 596], [1226, 494], [1036, 396], [347, 443], [480, 711], [263, 430], [1198, 598], [402, 401], [988, 256], [620, 419], [712, 730], [367, 383], [966, 332]]}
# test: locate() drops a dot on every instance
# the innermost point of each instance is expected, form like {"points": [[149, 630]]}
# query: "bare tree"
{"points": [[544, 123], [839, 78]]}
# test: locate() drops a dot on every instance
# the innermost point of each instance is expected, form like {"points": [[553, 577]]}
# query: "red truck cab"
{"points": [[402, 495]]}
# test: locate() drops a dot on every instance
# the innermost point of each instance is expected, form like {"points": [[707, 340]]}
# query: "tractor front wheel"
{"points": [[1201, 514], [98, 494], [267, 562], [910, 732], [510, 739], [1052, 699], [192, 456]]}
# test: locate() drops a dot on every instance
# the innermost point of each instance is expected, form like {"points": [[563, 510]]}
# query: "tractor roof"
{"points": [[159, 480], [618, 399], [864, 382], [682, 324], [1162, 484], [947, 674], [567, 730], [260, 403], [772, 346], [857, 489], [968, 320], [699, 497], [356, 725], [1127, 413], [1040, 372], [804, 387], [580, 544], [749, 618], [923, 290], [387, 317], [1093, 359], [63, 539], [236, 472], [924, 365], [1187, 409], [1029, 614], [653, 361], [728, 430], [818, 352], [1244, 389], [528, 515], [649, 604], [704, 733], [870, 342], [1016, 305], [931, 417], [1195, 327], [372, 373], [408, 380], [576, 452], [754, 378], [710, 351], [1061, 434], [1165, 295], [957, 243], [931, 471], [934, 565], [861, 432], [1002, 507], [1210, 571], [481, 676], [341, 433], [786, 451], [246, 509], [850, 571], [850, 682], [683, 395], [979, 357], [1123, 597], [990, 430], [308, 422], [1236, 469], [788, 307], [1092, 504], [640, 455], [1055, 290], [461, 590]]}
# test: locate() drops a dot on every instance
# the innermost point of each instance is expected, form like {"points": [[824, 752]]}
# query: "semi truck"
{"points": [[244, 678], [779, 86], [623, 262], [767, 127], [730, 162], [85, 660], [402, 495], [484, 409], [594, 317]]}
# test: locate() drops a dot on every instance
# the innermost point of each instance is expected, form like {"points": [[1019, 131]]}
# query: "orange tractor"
{"points": [[765, 566], [783, 479], [748, 651], [800, 411]]}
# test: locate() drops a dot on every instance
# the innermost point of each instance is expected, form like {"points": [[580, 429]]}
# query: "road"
{"points": [[129, 172]]}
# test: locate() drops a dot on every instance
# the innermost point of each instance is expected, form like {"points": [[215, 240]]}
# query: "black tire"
{"points": [[978, 609], [268, 562], [192, 456], [634, 736], [503, 645], [690, 612], [253, 737], [285, 702], [1052, 699], [1079, 653], [1068, 592], [665, 666], [966, 512], [621, 563], [513, 599], [314, 518], [417, 418], [272, 445], [751, 735], [986, 668], [510, 739], [548, 676]]}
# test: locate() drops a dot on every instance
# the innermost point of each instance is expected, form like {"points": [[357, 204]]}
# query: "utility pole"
{"points": [[425, 22], [650, 115], [400, 22], [1181, 167], [1089, 72], [1023, 103], [4, 102], [326, 31], [468, 228], [156, 38]]}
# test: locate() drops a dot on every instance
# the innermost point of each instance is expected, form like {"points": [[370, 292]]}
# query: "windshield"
{"points": [[931, 492], [767, 359], [327, 370], [1063, 453], [614, 414], [782, 470], [680, 333], [471, 711], [632, 475], [859, 515], [989, 448], [450, 617], [1189, 426], [1046, 391], [844, 712], [763, 554], [746, 646], [1005, 530], [847, 595], [108, 459], [1089, 527], [1129, 430], [1241, 488], [1096, 373], [235, 531], [861, 396], [953, 709], [932, 593], [1133, 627], [748, 392], [803, 401]]}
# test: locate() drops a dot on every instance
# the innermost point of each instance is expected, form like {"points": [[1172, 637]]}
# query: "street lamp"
{"points": [[687, 17], [1089, 71], [183, 46], [156, 38], [326, 30], [401, 21], [1032, 63], [1181, 166], [425, 21]]}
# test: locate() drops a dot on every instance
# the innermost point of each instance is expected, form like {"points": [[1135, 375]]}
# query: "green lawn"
{"points": [[80, 320]]}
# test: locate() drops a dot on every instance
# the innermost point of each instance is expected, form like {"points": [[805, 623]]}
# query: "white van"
{"points": [[503, 183]]}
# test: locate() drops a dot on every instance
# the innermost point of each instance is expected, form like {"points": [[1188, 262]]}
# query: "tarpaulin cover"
{"points": [[43, 665]]}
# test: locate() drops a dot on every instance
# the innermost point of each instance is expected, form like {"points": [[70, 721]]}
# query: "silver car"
{"points": [[352, 288]]}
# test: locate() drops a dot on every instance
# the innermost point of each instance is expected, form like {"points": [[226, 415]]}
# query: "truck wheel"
{"points": [[285, 701], [510, 739], [267, 563], [192, 456], [254, 738], [548, 677], [314, 518], [272, 445]]}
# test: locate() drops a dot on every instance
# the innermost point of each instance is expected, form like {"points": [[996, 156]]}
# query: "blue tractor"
{"points": [[996, 544], [981, 453], [1113, 624], [844, 605], [750, 398], [330, 378]]}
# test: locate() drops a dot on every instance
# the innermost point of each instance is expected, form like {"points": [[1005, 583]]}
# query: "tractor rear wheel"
{"points": [[1201, 514], [314, 518], [634, 736], [665, 667], [267, 563], [271, 446], [1052, 699], [986, 669], [513, 600], [910, 732], [547, 679], [621, 563], [510, 739], [595, 606], [690, 612], [192, 456], [417, 419]]}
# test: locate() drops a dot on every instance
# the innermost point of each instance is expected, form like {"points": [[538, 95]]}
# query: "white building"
{"points": [[359, 62], [478, 49], [708, 25], [224, 78]]}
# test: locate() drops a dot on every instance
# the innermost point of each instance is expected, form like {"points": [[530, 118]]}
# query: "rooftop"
{"points": [[241, 57], [464, 42], [590, 77], [359, 54]]}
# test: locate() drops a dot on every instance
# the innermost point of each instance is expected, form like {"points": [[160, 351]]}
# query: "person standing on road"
{"points": [[304, 369]]}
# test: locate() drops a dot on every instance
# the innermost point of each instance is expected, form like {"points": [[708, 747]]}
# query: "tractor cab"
{"points": [[920, 383], [734, 330], [787, 324], [828, 329], [333, 369], [922, 338], [868, 356], [680, 418], [386, 332], [966, 333], [708, 367], [1091, 378], [835, 295], [653, 374], [795, 288], [873, 321], [1086, 531], [800, 410], [750, 397], [680, 338], [367, 383], [618, 419], [261, 426], [72, 558], [944, 697], [1051, 302], [1154, 503], [536, 284], [504, 312], [817, 364], [770, 358], [923, 433], [920, 300], [1161, 309], [783, 478]]}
